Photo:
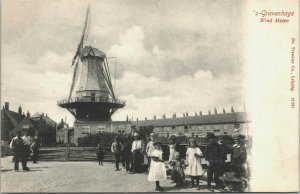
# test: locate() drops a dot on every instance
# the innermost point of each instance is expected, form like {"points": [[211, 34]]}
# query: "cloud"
{"points": [[148, 96]]}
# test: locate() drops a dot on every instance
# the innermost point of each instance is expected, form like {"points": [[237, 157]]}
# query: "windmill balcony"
{"points": [[91, 99]]}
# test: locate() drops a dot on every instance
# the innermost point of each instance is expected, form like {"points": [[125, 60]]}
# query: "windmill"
{"points": [[91, 96]]}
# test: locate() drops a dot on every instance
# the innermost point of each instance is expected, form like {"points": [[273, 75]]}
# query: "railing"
{"points": [[91, 99]]}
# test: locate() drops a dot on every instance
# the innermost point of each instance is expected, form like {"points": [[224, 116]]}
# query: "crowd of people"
{"points": [[21, 147], [132, 151]]}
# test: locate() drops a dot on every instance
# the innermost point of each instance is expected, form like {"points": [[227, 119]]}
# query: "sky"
{"points": [[171, 56]]}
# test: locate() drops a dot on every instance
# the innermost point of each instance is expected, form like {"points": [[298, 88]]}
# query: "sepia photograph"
{"points": [[149, 95]]}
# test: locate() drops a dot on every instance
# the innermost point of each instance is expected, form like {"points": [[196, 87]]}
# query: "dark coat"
{"points": [[239, 155], [213, 151]]}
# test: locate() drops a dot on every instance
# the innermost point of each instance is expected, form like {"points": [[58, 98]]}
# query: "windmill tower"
{"points": [[91, 97]]}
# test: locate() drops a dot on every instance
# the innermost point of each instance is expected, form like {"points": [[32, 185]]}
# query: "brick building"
{"points": [[197, 126]]}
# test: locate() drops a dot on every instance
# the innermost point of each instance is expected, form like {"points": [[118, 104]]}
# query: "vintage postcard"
{"points": [[149, 96]]}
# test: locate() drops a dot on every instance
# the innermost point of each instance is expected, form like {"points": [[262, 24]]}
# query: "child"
{"points": [[177, 174], [150, 148], [157, 170], [100, 154], [194, 168]]}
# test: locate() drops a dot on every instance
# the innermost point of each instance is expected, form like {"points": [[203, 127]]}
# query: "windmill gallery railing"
{"points": [[91, 99]]}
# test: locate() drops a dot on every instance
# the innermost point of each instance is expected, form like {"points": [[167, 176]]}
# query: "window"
{"points": [[237, 126], [225, 133], [193, 134], [93, 97], [225, 127], [186, 127], [168, 134]]}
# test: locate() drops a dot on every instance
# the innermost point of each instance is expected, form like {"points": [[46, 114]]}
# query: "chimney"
{"points": [[28, 114], [137, 119], [209, 112], [164, 116], [42, 114], [20, 110], [200, 113], [224, 111], [216, 112], [23, 115], [232, 110], [175, 115], [183, 115], [127, 118], [6, 105], [196, 114], [145, 118], [154, 117], [187, 114]]}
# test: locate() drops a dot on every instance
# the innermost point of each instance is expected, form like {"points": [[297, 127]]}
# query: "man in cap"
{"points": [[17, 145], [213, 156], [150, 148], [137, 155], [239, 156], [116, 149]]}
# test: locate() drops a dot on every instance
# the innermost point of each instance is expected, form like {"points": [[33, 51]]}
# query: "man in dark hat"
{"points": [[17, 145], [239, 156], [213, 156]]}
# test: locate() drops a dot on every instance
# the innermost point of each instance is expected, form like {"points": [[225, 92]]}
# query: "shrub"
{"points": [[5, 150], [105, 139]]}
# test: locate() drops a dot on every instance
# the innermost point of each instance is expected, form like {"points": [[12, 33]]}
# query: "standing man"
{"points": [[116, 149], [150, 148], [27, 142], [213, 156], [17, 146], [137, 155], [35, 150], [127, 150], [239, 156]]}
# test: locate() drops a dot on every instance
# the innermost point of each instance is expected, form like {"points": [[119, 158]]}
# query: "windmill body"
{"points": [[91, 96]]}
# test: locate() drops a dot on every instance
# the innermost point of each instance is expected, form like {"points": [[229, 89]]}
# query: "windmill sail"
{"points": [[79, 50]]}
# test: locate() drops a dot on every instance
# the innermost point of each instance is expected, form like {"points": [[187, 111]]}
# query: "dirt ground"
{"points": [[80, 177]]}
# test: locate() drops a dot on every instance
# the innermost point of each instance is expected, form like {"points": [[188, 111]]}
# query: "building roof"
{"points": [[236, 117], [13, 117], [90, 51], [40, 125]]}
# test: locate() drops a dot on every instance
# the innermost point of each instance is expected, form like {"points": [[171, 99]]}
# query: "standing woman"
{"points": [[157, 170], [194, 168]]}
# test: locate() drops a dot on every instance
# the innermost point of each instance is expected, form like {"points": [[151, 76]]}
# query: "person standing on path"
{"points": [[137, 156], [213, 156], [157, 170], [116, 150], [27, 142], [150, 148], [35, 150], [100, 154], [194, 168], [17, 145], [127, 150]]}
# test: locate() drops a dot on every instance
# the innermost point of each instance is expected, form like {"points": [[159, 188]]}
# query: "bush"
{"points": [[105, 139], [5, 150]]}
